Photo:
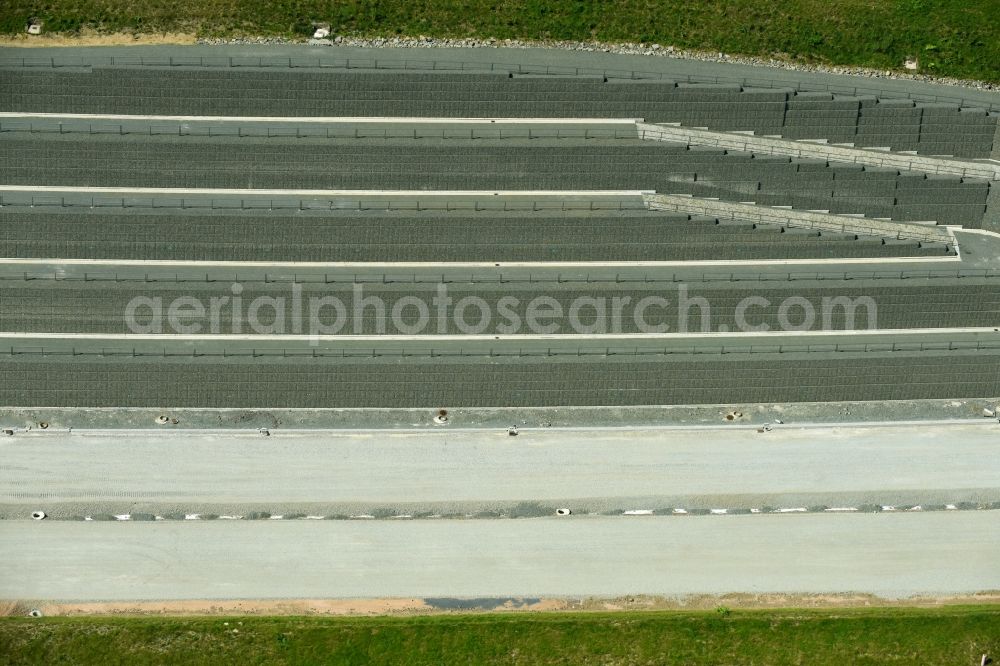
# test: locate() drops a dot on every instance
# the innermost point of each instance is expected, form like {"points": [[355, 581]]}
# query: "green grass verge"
{"points": [[953, 636], [951, 37]]}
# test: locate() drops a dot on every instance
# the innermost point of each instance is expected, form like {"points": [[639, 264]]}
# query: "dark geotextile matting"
{"points": [[928, 129], [416, 382], [428, 238], [101, 308], [199, 162]]}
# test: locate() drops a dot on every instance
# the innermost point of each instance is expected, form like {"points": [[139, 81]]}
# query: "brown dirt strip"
{"points": [[369, 607], [90, 38]]}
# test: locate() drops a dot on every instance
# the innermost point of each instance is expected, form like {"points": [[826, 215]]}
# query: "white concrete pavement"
{"points": [[889, 555], [588, 469]]}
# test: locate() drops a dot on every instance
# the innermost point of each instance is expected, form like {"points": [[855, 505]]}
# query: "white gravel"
{"points": [[618, 48]]}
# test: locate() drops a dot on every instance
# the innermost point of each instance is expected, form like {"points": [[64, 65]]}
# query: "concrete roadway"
{"points": [[890, 555], [467, 471]]}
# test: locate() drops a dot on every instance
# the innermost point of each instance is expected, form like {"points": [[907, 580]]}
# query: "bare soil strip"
{"points": [[365, 607]]}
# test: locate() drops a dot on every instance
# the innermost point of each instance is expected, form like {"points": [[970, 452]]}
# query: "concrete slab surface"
{"points": [[468, 471], [888, 555]]}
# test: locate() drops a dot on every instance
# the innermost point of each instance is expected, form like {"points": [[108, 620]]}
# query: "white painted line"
{"points": [[326, 193], [639, 512], [327, 119], [52, 261], [213, 337]]}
